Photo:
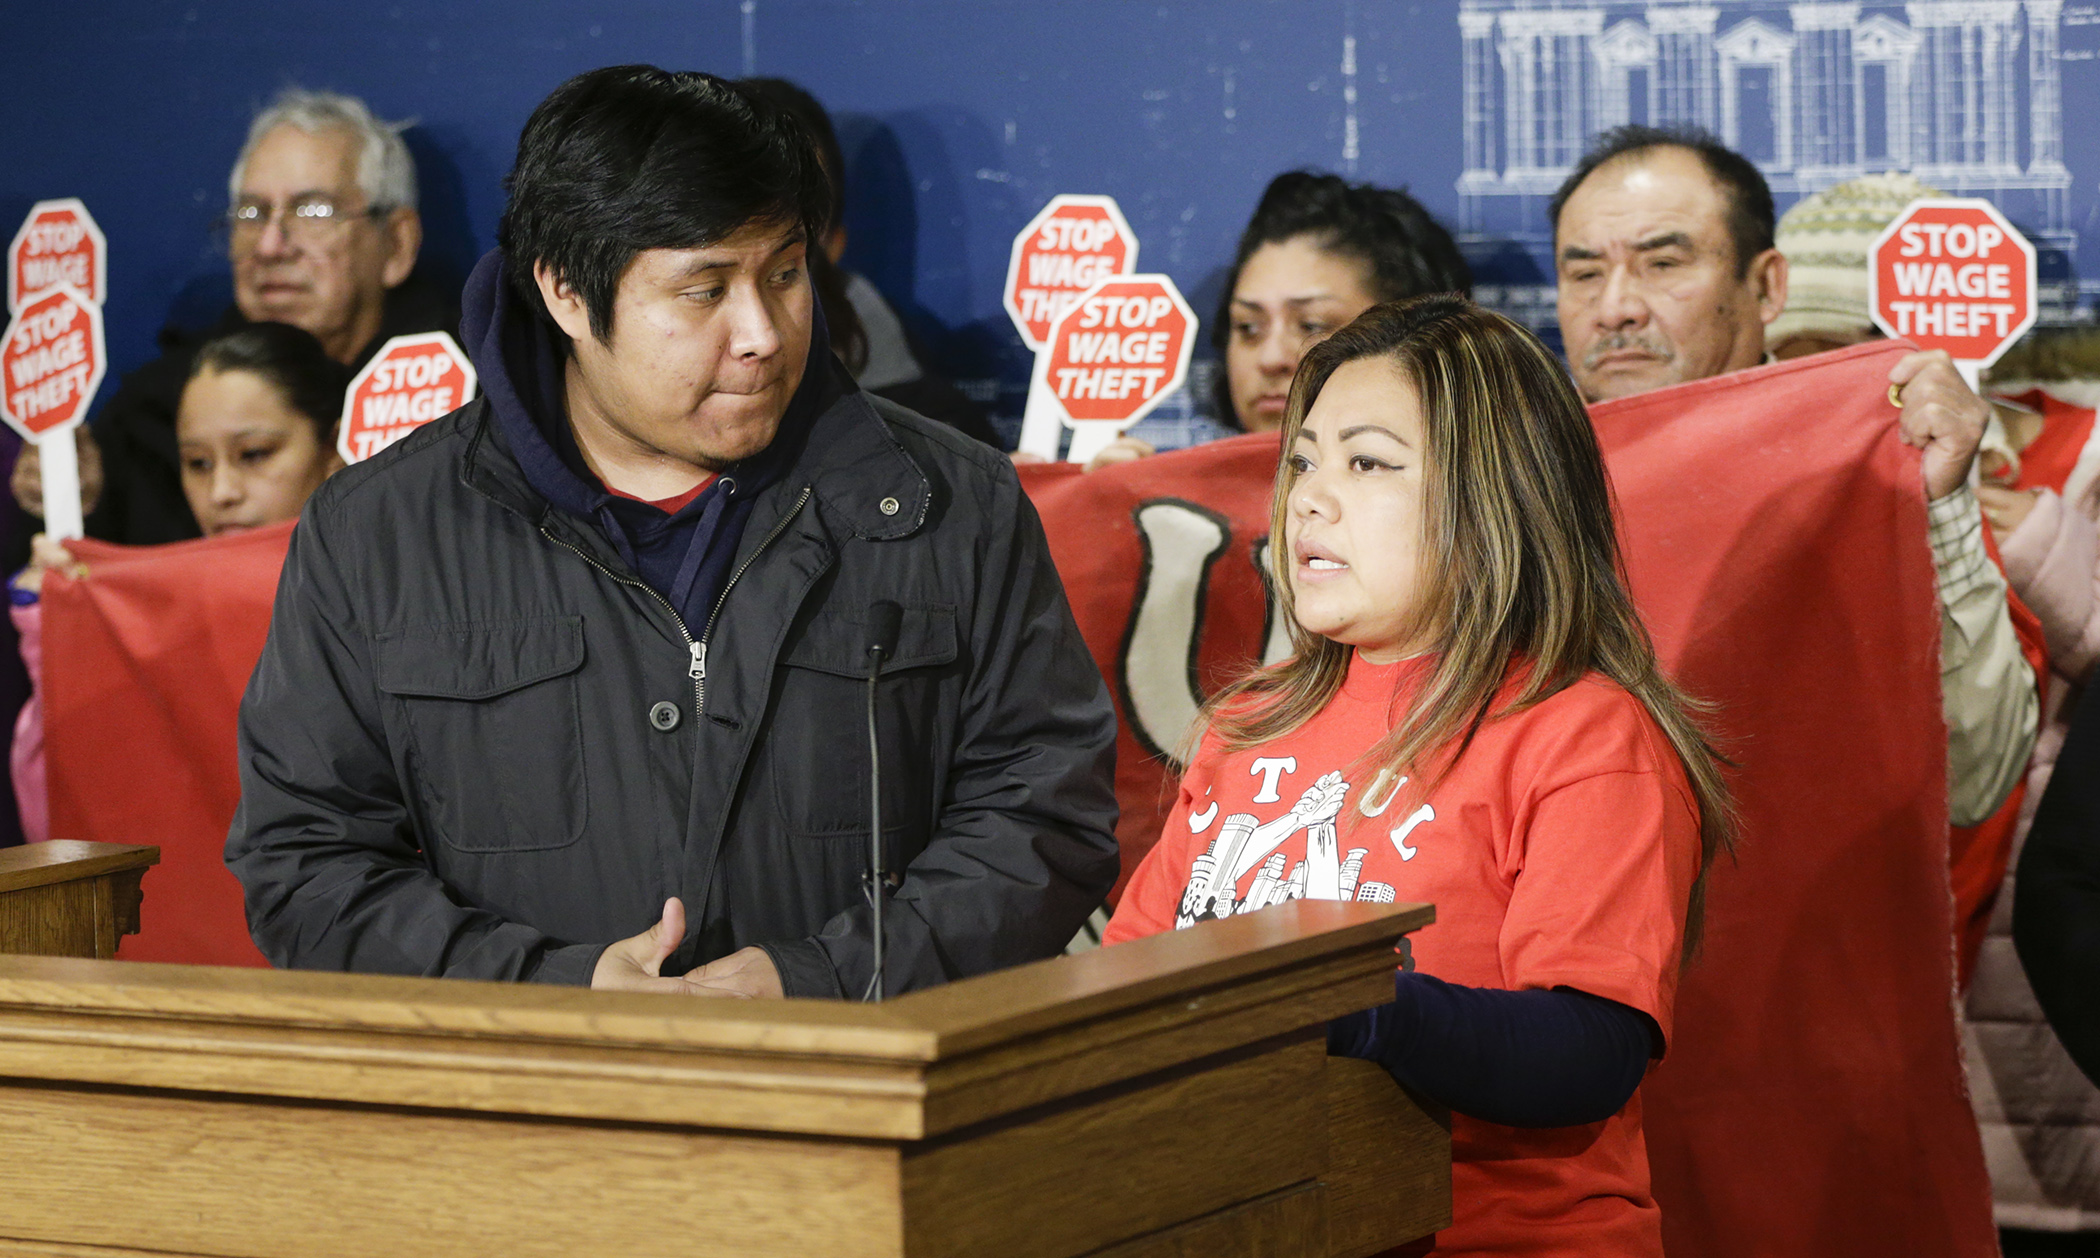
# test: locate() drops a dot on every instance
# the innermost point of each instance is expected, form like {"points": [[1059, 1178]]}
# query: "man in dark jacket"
{"points": [[323, 234], [590, 654]]}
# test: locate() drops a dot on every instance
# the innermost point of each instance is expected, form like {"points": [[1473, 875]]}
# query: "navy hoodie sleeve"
{"points": [[1558, 1058]]}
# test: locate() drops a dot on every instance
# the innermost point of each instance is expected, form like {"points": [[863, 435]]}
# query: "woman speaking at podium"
{"points": [[1473, 718]]}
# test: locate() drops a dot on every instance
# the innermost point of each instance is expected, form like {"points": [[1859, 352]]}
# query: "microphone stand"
{"points": [[884, 618]]}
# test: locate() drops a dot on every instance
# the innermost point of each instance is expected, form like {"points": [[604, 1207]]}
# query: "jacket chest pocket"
{"points": [[495, 729], [817, 733]]}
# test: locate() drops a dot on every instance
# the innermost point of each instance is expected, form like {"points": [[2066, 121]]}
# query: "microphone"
{"points": [[885, 618]]}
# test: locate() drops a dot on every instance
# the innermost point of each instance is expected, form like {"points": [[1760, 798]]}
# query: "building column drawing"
{"points": [[1966, 94], [1757, 93], [1686, 77], [1827, 106], [1625, 75]]}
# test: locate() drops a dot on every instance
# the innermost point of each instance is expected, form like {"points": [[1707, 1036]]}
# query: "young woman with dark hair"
{"points": [[1474, 718], [1318, 252], [255, 437]]}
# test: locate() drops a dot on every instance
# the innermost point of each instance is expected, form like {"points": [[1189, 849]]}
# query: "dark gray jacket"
{"points": [[449, 764]]}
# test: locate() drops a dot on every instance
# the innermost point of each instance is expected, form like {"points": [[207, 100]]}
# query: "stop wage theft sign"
{"points": [[52, 361], [409, 382], [1072, 244], [1114, 355], [58, 243], [1952, 274]]}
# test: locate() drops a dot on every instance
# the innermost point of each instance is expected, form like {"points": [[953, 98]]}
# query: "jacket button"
{"points": [[889, 506], [665, 716]]}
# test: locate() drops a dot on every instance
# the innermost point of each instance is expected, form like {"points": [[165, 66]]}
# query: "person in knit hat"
{"points": [[1825, 238]]}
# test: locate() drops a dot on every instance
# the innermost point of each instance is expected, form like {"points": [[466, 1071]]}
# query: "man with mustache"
{"points": [[1663, 245], [568, 687], [322, 234]]}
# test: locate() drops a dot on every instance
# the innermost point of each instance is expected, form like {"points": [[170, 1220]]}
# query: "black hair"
{"points": [[1408, 252], [795, 100], [292, 361], [1751, 218], [849, 339], [628, 158]]}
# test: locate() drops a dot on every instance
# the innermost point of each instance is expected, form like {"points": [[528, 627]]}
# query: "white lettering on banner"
{"points": [[1269, 769], [1158, 670], [53, 356]]}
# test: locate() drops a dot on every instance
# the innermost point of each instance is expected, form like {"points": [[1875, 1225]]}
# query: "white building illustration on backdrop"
{"points": [[1966, 94]]}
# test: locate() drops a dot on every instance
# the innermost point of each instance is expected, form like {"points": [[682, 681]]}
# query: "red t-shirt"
{"points": [[1559, 852], [669, 506]]}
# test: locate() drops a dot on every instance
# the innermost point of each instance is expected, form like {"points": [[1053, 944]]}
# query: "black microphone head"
{"points": [[884, 619]]}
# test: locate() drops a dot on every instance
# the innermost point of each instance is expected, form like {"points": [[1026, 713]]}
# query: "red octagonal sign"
{"points": [[409, 382], [1121, 348], [58, 243], [1951, 273], [52, 360], [1073, 244]]}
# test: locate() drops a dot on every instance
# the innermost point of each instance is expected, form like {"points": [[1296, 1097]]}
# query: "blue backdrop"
{"points": [[961, 117]]}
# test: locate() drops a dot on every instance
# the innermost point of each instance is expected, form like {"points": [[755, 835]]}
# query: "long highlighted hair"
{"points": [[1522, 571]]}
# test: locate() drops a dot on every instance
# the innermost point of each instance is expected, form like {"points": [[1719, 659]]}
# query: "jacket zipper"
{"points": [[707, 633], [697, 650]]}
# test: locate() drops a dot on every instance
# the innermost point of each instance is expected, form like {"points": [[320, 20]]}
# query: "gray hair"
{"points": [[385, 171]]}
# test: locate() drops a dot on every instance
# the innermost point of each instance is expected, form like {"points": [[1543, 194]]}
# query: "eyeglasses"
{"points": [[313, 220]]}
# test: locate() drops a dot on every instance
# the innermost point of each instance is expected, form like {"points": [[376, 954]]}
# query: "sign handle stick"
{"points": [[59, 461], [1971, 375], [1090, 437], [1043, 418]]}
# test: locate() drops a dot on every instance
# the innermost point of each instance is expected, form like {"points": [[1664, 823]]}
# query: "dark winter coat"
{"points": [[478, 745]]}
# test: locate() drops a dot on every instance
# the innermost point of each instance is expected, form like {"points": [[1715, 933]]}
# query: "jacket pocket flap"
{"points": [[839, 643], [479, 659]]}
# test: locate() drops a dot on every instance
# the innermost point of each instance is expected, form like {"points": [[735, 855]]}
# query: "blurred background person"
{"points": [[255, 431], [1663, 245], [323, 235], [1318, 252], [865, 331]]}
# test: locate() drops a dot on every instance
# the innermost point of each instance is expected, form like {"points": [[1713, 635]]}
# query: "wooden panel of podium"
{"points": [[71, 899], [1170, 1097]]}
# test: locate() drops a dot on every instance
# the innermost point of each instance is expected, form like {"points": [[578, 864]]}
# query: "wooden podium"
{"points": [[1169, 1097]]}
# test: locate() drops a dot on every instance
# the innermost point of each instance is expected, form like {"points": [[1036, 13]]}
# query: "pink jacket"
{"points": [[2039, 1116], [25, 759]]}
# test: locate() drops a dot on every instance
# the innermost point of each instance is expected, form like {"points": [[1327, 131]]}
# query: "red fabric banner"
{"points": [[145, 660], [1774, 529]]}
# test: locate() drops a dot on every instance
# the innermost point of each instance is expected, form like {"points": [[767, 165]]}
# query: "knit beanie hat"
{"points": [[1825, 238]]}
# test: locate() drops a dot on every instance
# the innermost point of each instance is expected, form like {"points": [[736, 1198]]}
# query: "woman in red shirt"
{"points": [[1473, 718]]}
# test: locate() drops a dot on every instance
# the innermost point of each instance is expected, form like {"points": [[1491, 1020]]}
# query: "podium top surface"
{"points": [[69, 860], [905, 1069]]}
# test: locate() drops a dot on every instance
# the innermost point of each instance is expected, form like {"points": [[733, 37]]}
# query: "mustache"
{"points": [[1646, 342]]}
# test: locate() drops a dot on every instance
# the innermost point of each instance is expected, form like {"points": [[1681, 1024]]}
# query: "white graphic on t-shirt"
{"points": [[1399, 833], [1273, 769], [1385, 775], [1200, 821], [1245, 844]]}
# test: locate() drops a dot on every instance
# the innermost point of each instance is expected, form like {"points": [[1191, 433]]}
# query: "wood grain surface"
{"points": [[1158, 1098]]}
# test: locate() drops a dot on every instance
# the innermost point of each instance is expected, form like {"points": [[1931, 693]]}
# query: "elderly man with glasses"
{"points": [[322, 234]]}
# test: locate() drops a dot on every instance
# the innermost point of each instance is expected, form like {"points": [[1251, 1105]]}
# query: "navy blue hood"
{"points": [[684, 556]]}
